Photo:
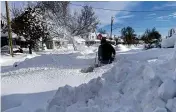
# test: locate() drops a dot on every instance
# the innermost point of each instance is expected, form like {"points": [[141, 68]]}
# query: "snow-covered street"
{"points": [[44, 74], [83, 56], [130, 84]]}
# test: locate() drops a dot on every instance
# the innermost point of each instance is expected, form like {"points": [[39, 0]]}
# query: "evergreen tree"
{"points": [[151, 38], [128, 35], [31, 26]]}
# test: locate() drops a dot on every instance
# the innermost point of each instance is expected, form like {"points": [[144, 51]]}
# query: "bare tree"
{"points": [[82, 23], [16, 11], [61, 21], [55, 13]]}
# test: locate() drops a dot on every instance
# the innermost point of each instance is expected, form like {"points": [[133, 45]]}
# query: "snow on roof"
{"points": [[62, 39], [22, 38], [104, 35], [55, 38], [14, 35], [4, 34], [59, 39], [79, 39], [97, 40]]}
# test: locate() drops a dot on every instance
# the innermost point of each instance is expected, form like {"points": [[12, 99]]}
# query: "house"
{"points": [[16, 40], [90, 38], [4, 35], [56, 43], [79, 41], [5, 39], [170, 40]]}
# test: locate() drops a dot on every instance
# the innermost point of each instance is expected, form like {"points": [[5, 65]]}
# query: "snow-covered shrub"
{"points": [[167, 90], [149, 46], [151, 38]]}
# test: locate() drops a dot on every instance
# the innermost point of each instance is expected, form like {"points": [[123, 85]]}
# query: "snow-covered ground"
{"points": [[138, 81]]}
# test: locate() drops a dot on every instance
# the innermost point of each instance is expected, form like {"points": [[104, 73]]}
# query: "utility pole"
{"points": [[9, 28], [112, 19]]}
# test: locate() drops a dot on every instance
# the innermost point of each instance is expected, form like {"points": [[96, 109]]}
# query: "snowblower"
{"points": [[92, 67]]}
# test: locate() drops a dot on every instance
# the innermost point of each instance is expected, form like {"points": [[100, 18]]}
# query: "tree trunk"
{"points": [[42, 45], [74, 46], [30, 47]]}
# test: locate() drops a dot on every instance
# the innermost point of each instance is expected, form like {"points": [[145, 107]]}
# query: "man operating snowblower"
{"points": [[106, 52]]}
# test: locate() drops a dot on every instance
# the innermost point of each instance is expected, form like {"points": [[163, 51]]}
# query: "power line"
{"points": [[125, 10], [143, 27]]}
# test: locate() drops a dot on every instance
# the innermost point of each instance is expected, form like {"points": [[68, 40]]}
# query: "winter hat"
{"points": [[103, 40]]}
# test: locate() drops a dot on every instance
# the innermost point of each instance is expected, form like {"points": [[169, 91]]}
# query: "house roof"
{"points": [[6, 35]]}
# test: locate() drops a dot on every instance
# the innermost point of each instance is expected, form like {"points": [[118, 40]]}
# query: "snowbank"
{"points": [[160, 110], [130, 86], [121, 47], [171, 105], [124, 48], [168, 42], [167, 90]]}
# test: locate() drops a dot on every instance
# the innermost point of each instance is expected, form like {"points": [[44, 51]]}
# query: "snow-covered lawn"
{"points": [[133, 83]]}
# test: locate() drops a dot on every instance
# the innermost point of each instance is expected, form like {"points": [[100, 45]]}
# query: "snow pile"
{"points": [[167, 90], [171, 105], [160, 110], [67, 95], [130, 86], [124, 48], [168, 42], [88, 50], [118, 90], [8, 60], [52, 61], [121, 47]]}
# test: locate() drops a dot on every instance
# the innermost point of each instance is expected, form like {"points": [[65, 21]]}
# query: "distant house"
{"points": [[16, 40], [56, 43], [100, 36], [79, 41], [170, 40], [90, 38]]}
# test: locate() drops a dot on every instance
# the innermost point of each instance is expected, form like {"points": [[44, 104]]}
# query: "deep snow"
{"points": [[131, 84], [168, 42], [134, 84], [41, 76]]}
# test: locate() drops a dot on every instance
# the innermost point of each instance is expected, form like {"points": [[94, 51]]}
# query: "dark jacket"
{"points": [[105, 52]]}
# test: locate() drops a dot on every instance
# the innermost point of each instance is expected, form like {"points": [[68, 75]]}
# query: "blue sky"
{"points": [[162, 21]]}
